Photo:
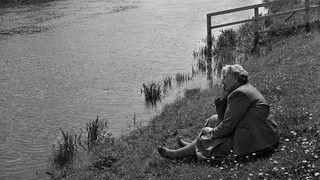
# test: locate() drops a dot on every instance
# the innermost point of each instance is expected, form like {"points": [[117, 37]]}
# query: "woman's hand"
{"points": [[207, 130], [224, 94]]}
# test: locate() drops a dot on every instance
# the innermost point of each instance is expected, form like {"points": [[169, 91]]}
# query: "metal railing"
{"points": [[256, 18]]}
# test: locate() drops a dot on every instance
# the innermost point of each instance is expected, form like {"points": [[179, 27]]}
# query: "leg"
{"points": [[187, 151], [210, 122], [181, 142]]}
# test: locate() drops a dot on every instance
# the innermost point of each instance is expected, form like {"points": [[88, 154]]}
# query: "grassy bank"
{"points": [[286, 70], [288, 76]]}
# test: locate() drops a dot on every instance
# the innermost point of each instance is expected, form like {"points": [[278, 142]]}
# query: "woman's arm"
{"points": [[237, 105]]}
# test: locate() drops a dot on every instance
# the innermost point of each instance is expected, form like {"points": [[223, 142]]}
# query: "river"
{"points": [[64, 63]]}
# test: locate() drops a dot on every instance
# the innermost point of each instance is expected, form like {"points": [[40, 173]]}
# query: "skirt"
{"points": [[208, 148]]}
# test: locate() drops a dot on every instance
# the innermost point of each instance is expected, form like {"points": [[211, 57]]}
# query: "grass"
{"points": [[286, 71], [95, 130], [65, 151], [167, 84], [155, 91], [152, 92], [181, 78], [68, 154]]}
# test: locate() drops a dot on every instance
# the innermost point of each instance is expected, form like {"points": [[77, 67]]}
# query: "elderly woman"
{"points": [[241, 128]]}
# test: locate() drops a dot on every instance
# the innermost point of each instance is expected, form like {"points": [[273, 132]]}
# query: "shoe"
{"points": [[181, 142], [163, 152]]}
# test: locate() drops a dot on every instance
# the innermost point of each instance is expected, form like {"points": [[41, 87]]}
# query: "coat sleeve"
{"points": [[238, 104]]}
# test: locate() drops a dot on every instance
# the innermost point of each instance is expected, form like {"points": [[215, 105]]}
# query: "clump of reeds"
{"points": [[65, 152], [96, 132], [201, 53], [202, 65], [200, 58], [94, 129], [181, 78], [167, 84], [152, 92]]}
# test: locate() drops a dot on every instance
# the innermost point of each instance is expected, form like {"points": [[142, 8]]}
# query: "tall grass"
{"points": [[201, 65], [181, 78], [152, 92], [65, 151], [167, 84], [94, 131]]}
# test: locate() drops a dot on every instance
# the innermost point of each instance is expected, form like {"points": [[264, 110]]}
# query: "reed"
{"points": [[167, 84], [181, 78], [202, 65], [65, 152], [201, 53], [200, 58], [152, 92], [94, 131]]}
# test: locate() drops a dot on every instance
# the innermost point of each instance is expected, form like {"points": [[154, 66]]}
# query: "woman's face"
{"points": [[229, 82]]}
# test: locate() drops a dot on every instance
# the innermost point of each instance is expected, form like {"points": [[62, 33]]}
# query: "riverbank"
{"points": [[288, 78], [286, 72]]}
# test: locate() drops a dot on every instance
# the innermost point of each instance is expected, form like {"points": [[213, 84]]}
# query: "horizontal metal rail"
{"points": [[246, 8], [263, 17], [258, 18]]}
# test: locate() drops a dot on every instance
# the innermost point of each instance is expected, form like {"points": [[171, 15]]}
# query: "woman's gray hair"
{"points": [[238, 71]]}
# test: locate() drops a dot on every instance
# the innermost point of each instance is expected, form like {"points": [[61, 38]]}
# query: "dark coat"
{"points": [[245, 116]]}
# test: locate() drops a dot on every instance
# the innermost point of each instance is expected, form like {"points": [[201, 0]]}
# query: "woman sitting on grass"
{"points": [[241, 128]]}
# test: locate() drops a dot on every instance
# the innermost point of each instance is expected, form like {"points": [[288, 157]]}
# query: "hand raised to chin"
{"points": [[224, 93]]}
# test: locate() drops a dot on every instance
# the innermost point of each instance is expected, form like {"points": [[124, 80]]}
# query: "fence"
{"points": [[256, 19]]}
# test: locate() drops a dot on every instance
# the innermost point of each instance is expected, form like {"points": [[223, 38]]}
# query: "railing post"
{"points": [[209, 50], [319, 8], [256, 29], [209, 35], [307, 15]]}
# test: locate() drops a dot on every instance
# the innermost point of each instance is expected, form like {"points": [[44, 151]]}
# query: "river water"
{"points": [[66, 62]]}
